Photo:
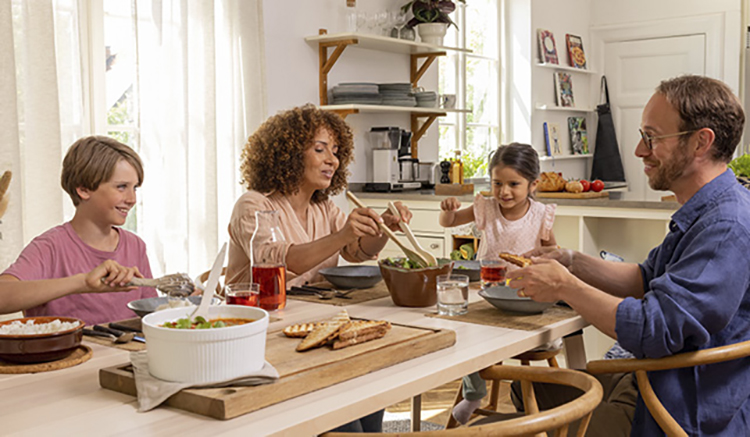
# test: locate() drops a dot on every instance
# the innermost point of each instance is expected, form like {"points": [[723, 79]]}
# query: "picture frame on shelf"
{"points": [[579, 140], [552, 138], [564, 90], [547, 47], [576, 55]]}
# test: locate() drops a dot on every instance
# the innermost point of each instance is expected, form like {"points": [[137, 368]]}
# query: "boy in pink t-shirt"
{"points": [[80, 268]]}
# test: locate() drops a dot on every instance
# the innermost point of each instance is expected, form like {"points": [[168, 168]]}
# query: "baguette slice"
{"points": [[300, 330], [361, 338], [327, 330], [515, 259], [359, 328]]}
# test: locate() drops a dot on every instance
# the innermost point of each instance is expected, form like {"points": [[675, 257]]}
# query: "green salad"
{"points": [[198, 323], [401, 263]]}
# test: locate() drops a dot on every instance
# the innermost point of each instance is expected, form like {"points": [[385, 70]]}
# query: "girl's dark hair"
{"points": [[520, 157]]}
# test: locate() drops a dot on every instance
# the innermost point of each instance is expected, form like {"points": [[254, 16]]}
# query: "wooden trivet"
{"points": [[80, 355], [483, 313], [377, 291]]}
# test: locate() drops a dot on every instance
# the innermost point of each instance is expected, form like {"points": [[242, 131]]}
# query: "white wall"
{"points": [[292, 69]]}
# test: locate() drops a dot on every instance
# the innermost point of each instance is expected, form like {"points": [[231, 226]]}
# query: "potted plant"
{"points": [[741, 168], [431, 18]]}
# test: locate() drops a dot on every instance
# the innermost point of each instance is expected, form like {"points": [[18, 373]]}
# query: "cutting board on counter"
{"points": [[300, 372], [564, 195]]}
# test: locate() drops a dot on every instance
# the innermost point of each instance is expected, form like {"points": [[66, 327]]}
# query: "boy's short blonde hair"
{"points": [[92, 160]]}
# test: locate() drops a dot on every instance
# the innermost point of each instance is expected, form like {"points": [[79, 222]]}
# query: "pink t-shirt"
{"points": [[60, 252], [323, 219], [513, 236]]}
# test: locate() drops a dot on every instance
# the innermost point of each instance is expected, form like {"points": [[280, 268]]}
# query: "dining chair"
{"points": [[491, 408], [687, 359], [534, 421]]}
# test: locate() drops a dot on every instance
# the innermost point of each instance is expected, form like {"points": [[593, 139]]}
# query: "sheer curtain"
{"points": [[200, 92], [199, 89]]}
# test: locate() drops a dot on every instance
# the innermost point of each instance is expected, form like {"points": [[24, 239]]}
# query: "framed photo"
{"points": [[547, 48], [576, 55], [579, 140], [552, 139], [564, 90]]}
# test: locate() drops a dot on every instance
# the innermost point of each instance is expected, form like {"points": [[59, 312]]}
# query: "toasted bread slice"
{"points": [[359, 328], [300, 330], [515, 259], [324, 332], [361, 338]]}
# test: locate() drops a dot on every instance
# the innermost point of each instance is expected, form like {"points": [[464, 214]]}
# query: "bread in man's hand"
{"points": [[518, 260]]}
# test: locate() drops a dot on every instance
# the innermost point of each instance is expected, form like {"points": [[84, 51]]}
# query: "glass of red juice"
{"points": [[272, 281], [492, 272], [242, 293]]}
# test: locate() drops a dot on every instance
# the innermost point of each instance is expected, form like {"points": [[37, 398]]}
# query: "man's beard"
{"points": [[669, 171]]}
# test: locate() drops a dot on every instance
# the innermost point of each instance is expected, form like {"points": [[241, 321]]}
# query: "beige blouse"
{"points": [[323, 219]]}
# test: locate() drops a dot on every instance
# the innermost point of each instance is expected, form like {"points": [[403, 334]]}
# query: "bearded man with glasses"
{"points": [[693, 290]]}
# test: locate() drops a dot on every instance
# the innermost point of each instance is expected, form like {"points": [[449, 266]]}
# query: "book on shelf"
{"points": [[579, 140], [552, 138], [564, 90], [576, 55], [547, 48]]}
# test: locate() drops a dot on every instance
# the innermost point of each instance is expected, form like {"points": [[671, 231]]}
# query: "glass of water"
{"points": [[452, 295]]}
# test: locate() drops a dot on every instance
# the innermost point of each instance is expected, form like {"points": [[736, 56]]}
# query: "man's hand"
{"points": [[563, 256], [392, 221], [544, 281], [110, 276]]}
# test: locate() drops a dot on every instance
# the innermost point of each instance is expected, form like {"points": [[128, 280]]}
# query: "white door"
{"points": [[634, 69]]}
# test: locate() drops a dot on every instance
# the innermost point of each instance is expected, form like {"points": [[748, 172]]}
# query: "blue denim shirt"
{"points": [[697, 285]]}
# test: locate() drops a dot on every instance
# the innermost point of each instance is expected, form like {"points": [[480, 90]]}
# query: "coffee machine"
{"points": [[393, 169]]}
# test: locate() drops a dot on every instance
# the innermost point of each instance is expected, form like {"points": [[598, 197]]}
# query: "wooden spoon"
{"points": [[412, 255], [410, 235]]}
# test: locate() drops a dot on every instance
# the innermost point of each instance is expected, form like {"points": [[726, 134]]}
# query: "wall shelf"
{"points": [[355, 109], [542, 107], [565, 68], [565, 157], [382, 43]]}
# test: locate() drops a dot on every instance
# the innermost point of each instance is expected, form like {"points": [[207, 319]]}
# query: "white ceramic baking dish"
{"points": [[205, 355]]}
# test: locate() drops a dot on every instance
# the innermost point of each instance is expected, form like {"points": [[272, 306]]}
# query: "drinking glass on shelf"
{"points": [[381, 20], [492, 271], [452, 295], [242, 293], [399, 21]]}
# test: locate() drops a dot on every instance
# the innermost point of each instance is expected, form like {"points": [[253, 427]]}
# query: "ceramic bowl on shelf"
{"points": [[206, 355], [40, 348]]}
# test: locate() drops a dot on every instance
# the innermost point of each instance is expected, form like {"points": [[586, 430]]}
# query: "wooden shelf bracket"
{"points": [[419, 128], [415, 72], [326, 64]]}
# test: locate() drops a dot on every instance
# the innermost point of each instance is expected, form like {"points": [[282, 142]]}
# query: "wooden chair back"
{"points": [[534, 422], [687, 359]]}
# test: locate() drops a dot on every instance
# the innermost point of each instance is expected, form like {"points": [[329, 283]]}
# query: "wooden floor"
{"points": [[441, 398]]}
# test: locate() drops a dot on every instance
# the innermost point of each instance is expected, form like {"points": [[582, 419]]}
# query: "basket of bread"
{"points": [[339, 332]]}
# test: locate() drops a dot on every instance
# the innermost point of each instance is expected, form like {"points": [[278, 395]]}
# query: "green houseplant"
{"points": [[741, 168], [431, 18]]}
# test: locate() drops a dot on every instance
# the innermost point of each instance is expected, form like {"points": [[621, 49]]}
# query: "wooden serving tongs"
{"points": [[412, 255], [410, 235]]}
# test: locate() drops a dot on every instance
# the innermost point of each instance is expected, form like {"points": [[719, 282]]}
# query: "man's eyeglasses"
{"points": [[648, 140]]}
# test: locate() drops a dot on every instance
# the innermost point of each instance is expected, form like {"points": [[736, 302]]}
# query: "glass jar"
{"points": [[270, 275]]}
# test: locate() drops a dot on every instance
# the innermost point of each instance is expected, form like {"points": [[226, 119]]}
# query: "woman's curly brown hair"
{"points": [[273, 157]]}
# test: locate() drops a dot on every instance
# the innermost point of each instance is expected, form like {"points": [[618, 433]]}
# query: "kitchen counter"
{"points": [[430, 196]]}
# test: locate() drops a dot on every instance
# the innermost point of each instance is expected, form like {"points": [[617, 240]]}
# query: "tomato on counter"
{"points": [[597, 186], [586, 185]]}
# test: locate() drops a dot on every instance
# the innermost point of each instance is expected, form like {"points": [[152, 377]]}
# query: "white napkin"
{"points": [[153, 391]]}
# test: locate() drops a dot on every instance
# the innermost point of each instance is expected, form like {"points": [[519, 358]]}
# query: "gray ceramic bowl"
{"points": [[149, 305], [357, 276], [507, 299]]}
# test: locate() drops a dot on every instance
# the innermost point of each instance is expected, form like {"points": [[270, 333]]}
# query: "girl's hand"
{"points": [[111, 276], [450, 204], [392, 221], [362, 222], [544, 281], [563, 256]]}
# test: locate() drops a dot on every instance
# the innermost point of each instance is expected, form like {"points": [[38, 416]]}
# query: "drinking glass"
{"points": [[492, 272], [452, 295], [399, 20], [242, 293]]}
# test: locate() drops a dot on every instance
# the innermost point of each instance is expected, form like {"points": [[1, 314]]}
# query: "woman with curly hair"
{"points": [[292, 164]]}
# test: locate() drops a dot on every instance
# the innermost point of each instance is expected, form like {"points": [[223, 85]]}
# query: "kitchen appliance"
{"points": [[385, 137], [427, 174], [405, 142], [386, 172], [408, 169]]}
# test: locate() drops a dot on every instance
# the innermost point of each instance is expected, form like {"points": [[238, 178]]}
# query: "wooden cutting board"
{"points": [[564, 195], [300, 372]]}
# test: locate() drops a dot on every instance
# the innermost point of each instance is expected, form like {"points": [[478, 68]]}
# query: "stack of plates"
{"points": [[397, 94], [362, 93], [426, 99]]}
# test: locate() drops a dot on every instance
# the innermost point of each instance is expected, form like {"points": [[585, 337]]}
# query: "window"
{"points": [[475, 79]]}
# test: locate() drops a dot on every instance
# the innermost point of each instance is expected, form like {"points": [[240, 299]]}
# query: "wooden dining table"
{"points": [[70, 401]]}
